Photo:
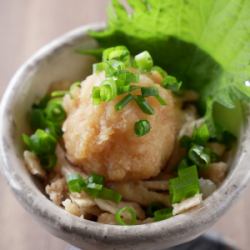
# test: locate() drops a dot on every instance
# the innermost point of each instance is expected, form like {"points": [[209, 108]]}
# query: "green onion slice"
{"points": [[41, 142], [37, 119], [54, 110], [170, 82], [161, 100], [109, 194], [120, 53], [108, 90], [123, 102], [160, 70], [144, 61], [58, 93], [124, 212], [142, 127], [149, 91], [163, 214], [99, 67], [185, 185], [199, 155], [144, 105], [96, 97], [201, 134], [75, 183], [95, 178], [152, 91]]}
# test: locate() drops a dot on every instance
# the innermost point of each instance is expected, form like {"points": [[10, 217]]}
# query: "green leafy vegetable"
{"points": [[205, 44]]}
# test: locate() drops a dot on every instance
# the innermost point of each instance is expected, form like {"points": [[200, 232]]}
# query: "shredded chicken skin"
{"points": [[102, 140]]}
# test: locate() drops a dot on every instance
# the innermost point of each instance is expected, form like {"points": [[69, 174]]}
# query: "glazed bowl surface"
{"points": [[58, 61]]}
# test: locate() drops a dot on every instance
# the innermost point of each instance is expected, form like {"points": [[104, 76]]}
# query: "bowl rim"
{"points": [[182, 225]]}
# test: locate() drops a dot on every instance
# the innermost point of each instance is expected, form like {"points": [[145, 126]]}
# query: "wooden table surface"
{"points": [[25, 26]]}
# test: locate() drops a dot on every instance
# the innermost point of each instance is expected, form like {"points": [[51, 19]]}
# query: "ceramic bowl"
{"points": [[58, 61]]}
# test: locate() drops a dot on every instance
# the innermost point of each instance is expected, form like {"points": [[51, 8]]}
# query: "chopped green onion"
{"points": [[144, 105], [93, 189], [201, 134], [58, 93], [125, 77], [142, 127], [37, 118], [183, 164], [199, 155], [49, 161], [185, 185], [109, 194], [94, 186], [73, 87], [144, 61], [75, 183], [108, 90], [160, 70], [161, 100], [54, 128], [120, 53], [41, 142], [149, 91], [96, 95], [95, 178], [170, 82], [154, 207], [122, 213], [123, 89], [152, 91], [54, 110], [114, 67], [106, 93], [134, 87], [123, 102], [163, 214], [99, 67], [43, 102]]}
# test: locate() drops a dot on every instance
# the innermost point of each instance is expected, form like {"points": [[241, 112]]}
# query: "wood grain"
{"points": [[26, 25]]}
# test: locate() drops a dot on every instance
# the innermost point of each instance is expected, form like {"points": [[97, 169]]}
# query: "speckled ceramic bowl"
{"points": [[58, 61]]}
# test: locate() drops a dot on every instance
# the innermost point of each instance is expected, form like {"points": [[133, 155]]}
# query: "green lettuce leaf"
{"points": [[205, 43]]}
